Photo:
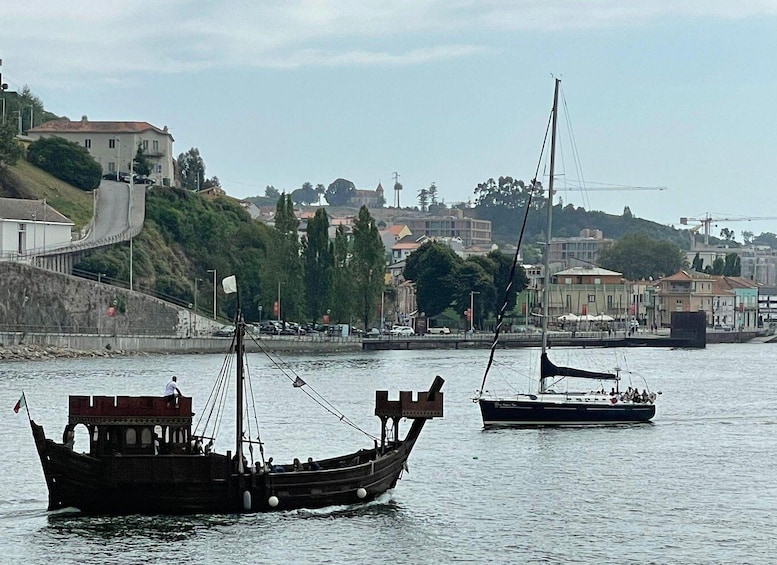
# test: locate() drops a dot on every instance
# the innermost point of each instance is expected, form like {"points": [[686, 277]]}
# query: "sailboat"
{"points": [[144, 457], [547, 407]]}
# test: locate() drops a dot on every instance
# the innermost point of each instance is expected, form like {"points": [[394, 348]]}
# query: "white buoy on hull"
{"points": [[246, 500], [361, 493], [272, 501]]}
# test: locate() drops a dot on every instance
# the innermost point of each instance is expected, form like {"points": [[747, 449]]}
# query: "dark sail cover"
{"points": [[548, 369]]}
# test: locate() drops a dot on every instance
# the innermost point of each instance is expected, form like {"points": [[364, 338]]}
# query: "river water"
{"points": [[696, 486]]}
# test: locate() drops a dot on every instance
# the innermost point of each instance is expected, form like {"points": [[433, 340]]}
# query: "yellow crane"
{"points": [[706, 223]]}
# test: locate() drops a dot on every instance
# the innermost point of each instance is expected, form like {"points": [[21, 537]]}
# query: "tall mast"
{"points": [[546, 258], [239, 333]]}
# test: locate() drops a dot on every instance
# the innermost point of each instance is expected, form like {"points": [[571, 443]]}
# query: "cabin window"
{"points": [[96, 434], [130, 436], [145, 436], [177, 436]]}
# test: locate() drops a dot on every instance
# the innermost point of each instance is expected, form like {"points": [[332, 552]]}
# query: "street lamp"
{"points": [[100, 276], [472, 294], [214, 291], [260, 314]]}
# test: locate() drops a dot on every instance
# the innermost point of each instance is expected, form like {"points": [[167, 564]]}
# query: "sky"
{"points": [[655, 94]]}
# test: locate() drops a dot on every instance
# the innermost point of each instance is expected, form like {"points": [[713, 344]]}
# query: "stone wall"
{"points": [[35, 300]]}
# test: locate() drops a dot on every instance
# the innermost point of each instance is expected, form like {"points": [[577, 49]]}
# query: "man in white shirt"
{"points": [[172, 392]]}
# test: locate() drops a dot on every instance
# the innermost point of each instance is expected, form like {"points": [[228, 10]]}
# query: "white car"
{"points": [[402, 331], [440, 331]]}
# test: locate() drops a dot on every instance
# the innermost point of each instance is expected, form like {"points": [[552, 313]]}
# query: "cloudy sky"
{"points": [[658, 94]]}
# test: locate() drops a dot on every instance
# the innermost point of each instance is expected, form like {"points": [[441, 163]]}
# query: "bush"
{"points": [[66, 160]]}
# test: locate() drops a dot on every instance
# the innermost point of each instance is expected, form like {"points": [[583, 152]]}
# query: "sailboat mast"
{"points": [[239, 334], [549, 204]]}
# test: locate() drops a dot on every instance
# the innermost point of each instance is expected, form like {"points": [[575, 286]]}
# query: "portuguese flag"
{"points": [[20, 404]]}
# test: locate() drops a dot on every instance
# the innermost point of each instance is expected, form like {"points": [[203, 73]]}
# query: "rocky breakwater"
{"points": [[41, 353]]}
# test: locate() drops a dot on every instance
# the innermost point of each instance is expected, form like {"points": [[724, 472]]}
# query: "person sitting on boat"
{"points": [[296, 466], [68, 437], [645, 396], [612, 391], [312, 465], [172, 392], [209, 447]]}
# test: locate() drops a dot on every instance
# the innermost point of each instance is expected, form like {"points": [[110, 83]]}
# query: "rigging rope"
{"points": [[514, 266]]}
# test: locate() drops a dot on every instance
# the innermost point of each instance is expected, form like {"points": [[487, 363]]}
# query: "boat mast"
{"points": [[546, 258], [239, 333]]}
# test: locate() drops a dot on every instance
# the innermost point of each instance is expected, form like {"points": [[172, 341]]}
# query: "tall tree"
{"points": [[342, 280], [473, 285], [305, 195], [191, 169], [141, 164], [271, 192], [432, 267], [732, 266], [317, 253], [638, 256], [320, 191], [66, 160], [432, 190], [368, 265], [282, 275], [423, 199], [339, 192], [10, 149]]}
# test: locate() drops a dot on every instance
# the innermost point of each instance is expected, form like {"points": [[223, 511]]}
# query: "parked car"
{"points": [[402, 331], [373, 332], [443, 330], [224, 331]]}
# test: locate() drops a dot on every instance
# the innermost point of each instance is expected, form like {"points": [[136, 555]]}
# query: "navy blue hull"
{"points": [[515, 413]]}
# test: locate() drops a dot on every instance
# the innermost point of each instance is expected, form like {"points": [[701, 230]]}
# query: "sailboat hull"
{"points": [[561, 411]]}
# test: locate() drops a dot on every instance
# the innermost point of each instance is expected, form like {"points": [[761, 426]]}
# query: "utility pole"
{"points": [[397, 189]]}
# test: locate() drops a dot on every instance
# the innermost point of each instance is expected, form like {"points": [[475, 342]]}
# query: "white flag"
{"points": [[229, 284]]}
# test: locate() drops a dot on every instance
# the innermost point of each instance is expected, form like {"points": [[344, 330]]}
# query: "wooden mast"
{"points": [[549, 204]]}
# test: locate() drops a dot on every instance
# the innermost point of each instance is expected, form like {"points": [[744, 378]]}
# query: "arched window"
{"points": [[130, 436], [145, 436]]}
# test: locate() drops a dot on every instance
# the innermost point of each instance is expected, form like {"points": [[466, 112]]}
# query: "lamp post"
{"points": [[100, 277], [260, 315], [472, 294], [214, 292], [279, 301]]}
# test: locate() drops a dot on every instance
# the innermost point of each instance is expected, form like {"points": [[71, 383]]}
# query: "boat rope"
{"points": [[308, 389], [250, 392], [535, 188], [214, 406]]}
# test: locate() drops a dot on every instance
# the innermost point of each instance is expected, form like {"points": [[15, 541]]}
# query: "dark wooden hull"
{"points": [[190, 484], [558, 412]]}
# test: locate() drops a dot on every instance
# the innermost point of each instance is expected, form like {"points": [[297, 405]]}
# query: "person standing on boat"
{"points": [[172, 392]]}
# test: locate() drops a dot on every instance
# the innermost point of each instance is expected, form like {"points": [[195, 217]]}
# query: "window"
{"points": [[156, 145], [88, 143], [112, 143], [145, 436], [145, 145], [609, 301], [159, 169], [591, 298], [111, 167], [130, 436], [569, 301]]}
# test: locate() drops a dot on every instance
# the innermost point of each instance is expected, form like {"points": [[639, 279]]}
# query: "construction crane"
{"points": [[706, 223]]}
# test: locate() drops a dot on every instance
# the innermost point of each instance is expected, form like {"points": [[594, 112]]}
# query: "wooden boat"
{"points": [[548, 407], [144, 457]]}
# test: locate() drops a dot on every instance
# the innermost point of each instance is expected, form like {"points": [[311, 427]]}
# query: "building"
{"points": [[767, 306], [589, 291], [578, 251], [30, 227], [684, 291], [114, 144], [368, 198], [469, 230]]}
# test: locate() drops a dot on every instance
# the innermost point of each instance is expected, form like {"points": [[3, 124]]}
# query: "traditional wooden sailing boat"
{"points": [[548, 407], [144, 457]]}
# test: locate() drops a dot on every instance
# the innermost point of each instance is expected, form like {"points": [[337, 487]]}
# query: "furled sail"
{"points": [[548, 369]]}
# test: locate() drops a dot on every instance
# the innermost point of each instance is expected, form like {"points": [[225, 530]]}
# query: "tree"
{"points": [[432, 191], [732, 266], [339, 192], [727, 234], [271, 192], [342, 279], [282, 272], [191, 169], [317, 254], [423, 199], [368, 265], [10, 148], [320, 191], [747, 236], [141, 164], [432, 267], [637, 256], [698, 263], [66, 160], [305, 195]]}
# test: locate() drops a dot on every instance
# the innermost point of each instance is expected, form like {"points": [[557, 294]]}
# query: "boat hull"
{"points": [[532, 412], [191, 484]]}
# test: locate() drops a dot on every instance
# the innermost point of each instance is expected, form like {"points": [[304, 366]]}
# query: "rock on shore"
{"points": [[41, 353]]}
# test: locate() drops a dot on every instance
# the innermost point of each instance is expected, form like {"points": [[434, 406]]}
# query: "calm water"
{"points": [[697, 486]]}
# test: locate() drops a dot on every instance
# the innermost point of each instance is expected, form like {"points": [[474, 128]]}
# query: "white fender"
{"points": [[246, 500], [273, 501], [361, 493]]}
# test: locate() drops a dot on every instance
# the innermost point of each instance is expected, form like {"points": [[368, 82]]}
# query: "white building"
{"points": [[114, 144], [28, 226]]}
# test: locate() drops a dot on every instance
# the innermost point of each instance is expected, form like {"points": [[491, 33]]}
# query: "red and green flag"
{"points": [[22, 403]]}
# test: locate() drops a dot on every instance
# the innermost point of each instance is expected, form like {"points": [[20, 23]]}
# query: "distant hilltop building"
{"points": [[369, 198], [114, 144], [469, 230]]}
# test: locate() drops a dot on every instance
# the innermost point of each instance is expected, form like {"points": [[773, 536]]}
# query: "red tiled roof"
{"points": [[85, 126]]}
